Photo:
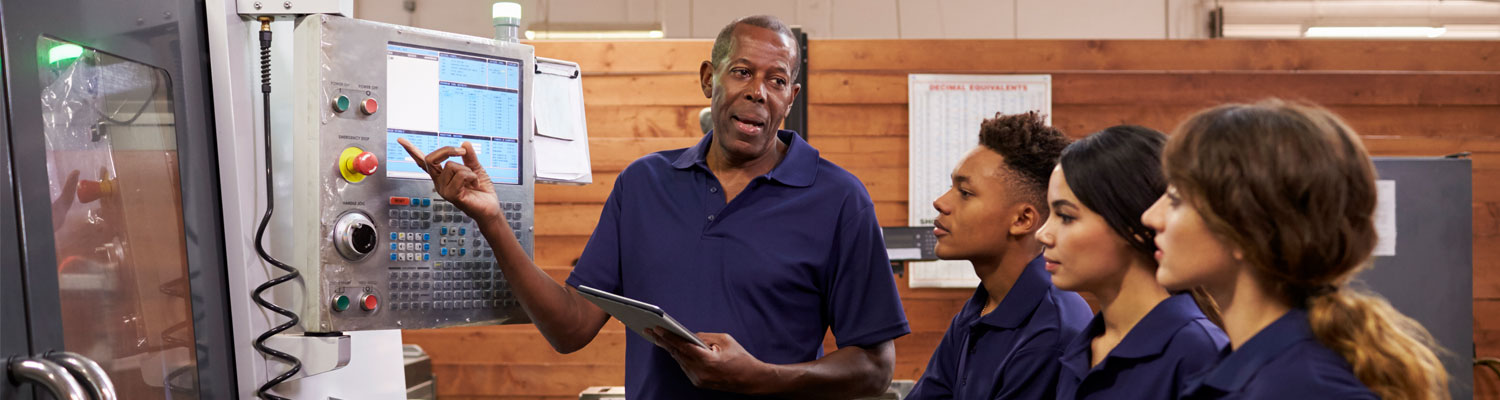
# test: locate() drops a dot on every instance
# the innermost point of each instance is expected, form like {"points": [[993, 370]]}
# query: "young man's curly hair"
{"points": [[1030, 149]]}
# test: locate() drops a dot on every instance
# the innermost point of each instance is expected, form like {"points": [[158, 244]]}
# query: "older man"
{"points": [[748, 233]]}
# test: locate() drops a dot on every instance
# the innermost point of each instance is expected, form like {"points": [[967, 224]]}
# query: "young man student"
{"points": [[1005, 342]]}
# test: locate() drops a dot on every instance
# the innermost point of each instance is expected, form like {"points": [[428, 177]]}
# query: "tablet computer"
{"points": [[637, 315]]}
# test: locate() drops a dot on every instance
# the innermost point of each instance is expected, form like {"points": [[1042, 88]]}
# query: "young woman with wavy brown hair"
{"points": [[1270, 207]]}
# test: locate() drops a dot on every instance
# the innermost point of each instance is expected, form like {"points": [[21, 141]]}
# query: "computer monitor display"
{"points": [[441, 97]]}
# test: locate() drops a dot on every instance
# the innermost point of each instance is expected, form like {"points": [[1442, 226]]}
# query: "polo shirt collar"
{"points": [[798, 169], [1148, 338], [1168, 316], [1024, 296], [1235, 371], [1076, 355]]}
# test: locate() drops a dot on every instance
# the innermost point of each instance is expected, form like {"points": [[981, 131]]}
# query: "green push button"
{"points": [[341, 103], [341, 303]]}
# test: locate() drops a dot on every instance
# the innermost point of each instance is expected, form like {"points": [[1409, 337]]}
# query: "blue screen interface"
{"points": [[443, 98]]}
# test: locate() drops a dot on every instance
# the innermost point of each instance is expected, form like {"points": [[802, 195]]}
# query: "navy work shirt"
{"points": [[1282, 361], [1010, 353], [796, 252], [1171, 343]]}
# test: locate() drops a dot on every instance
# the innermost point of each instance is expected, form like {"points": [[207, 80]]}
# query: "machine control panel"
{"points": [[390, 253]]}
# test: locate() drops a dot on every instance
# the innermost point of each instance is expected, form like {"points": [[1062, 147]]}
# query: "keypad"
{"points": [[513, 216], [452, 285], [442, 262]]}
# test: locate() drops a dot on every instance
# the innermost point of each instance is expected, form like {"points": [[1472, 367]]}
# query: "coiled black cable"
{"points": [[265, 219]]}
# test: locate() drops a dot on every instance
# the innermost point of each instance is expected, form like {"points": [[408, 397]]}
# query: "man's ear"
{"points": [[1027, 219], [796, 89], [706, 78]]}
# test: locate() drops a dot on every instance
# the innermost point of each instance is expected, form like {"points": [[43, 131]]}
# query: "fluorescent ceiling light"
{"points": [[1412, 32], [1263, 30], [592, 35], [1472, 31]]}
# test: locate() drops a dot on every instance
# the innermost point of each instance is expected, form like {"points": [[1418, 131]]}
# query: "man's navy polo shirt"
{"points": [[1170, 344], [1010, 353], [797, 252], [1282, 361]]}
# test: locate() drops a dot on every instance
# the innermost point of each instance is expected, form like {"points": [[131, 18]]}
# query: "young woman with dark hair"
{"points": [[1270, 208], [1145, 341]]}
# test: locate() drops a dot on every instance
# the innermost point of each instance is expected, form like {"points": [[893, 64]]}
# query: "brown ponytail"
{"points": [[1389, 351], [1209, 307], [1292, 186]]}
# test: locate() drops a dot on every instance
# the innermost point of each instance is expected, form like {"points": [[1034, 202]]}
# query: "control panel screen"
{"points": [[441, 97]]}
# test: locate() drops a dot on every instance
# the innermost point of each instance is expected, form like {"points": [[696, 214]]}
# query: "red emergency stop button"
{"points": [[88, 191], [365, 163], [355, 164], [369, 106], [369, 302]]}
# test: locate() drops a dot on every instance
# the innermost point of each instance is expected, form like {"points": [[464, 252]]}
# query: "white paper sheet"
{"points": [[562, 139], [912, 253], [941, 274], [1385, 217]]}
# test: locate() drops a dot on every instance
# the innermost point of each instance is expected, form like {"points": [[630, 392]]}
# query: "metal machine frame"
{"points": [[446, 274], [171, 40]]}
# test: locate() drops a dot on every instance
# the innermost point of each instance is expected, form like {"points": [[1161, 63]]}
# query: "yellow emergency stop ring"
{"points": [[346, 164]]}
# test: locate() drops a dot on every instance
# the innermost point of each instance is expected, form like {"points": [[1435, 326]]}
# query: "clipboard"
{"points": [[562, 138], [637, 315]]}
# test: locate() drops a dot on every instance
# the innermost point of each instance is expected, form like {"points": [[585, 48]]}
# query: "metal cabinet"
{"points": [[111, 248]]}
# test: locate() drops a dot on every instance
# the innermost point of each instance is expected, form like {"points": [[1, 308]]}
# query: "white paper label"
{"points": [[1385, 217], [941, 274]]}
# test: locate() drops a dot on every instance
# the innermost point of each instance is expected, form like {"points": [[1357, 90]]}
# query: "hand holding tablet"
{"points": [[637, 315]]}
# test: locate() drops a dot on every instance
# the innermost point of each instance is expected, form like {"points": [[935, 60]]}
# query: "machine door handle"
{"points": [[87, 372], [48, 374]]}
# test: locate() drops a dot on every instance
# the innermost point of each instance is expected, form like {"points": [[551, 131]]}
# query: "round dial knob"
{"points": [[362, 238], [355, 236]]}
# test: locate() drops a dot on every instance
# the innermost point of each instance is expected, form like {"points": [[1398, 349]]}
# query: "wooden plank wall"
{"points": [[1404, 97]]}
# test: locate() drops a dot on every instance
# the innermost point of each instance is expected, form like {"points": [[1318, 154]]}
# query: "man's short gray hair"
{"points": [[721, 43]]}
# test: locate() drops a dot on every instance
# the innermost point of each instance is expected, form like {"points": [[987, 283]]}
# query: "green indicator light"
{"points": [[341, 104], [63, 52], [341, 303]]}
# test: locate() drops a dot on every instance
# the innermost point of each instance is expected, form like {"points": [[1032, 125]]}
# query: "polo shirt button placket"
{"points": [[710, 217]]}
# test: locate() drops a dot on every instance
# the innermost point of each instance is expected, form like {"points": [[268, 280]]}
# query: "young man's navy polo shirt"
{"points": [[1282, 361], [1170, 344], [797, 252], [1010, 353]]}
